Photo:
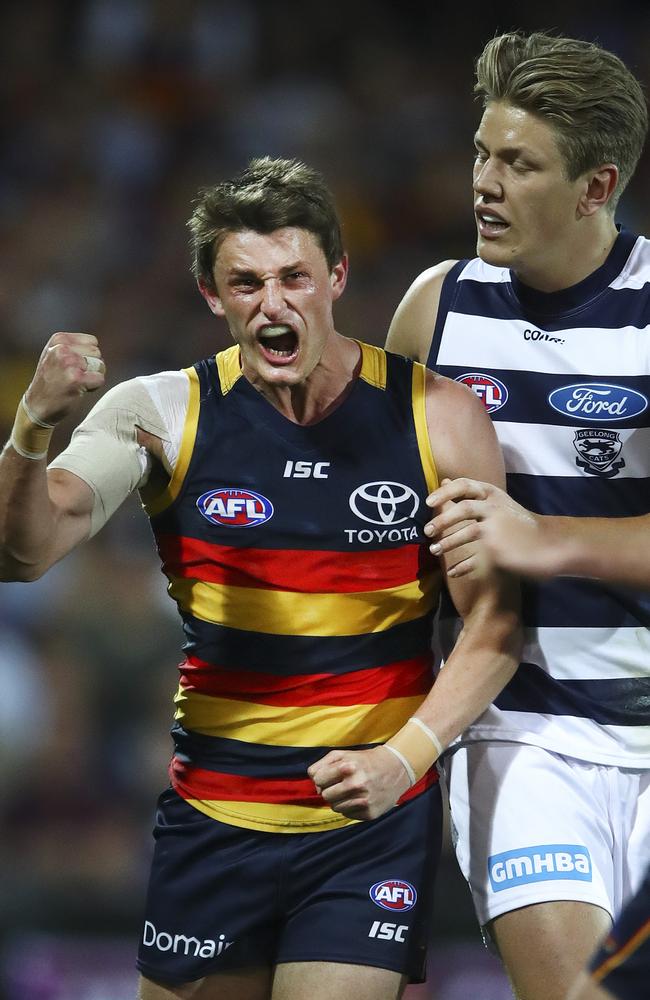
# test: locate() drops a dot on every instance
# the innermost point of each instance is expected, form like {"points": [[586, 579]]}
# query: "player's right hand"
{"points": [[71, 364]]}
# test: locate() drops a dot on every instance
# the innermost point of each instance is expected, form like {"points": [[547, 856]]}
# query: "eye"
{"points": [[295, 277], [244, 283]]}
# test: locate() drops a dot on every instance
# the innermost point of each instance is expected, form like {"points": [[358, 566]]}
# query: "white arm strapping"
{"points": [[104, 449]]}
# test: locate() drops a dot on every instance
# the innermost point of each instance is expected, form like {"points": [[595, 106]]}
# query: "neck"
{"points": [[322, 391], [577, 258]]}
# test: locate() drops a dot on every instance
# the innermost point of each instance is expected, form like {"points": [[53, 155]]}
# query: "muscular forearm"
{"points": [[42, 516], [482, 662], [614, 549], [26, 517]]}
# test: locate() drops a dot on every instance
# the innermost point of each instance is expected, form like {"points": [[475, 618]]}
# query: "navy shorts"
{"points": [[622, 964], [222, 898]]}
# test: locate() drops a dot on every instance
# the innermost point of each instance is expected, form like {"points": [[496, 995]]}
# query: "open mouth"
{"points": [[490, 225], [279, 343]]}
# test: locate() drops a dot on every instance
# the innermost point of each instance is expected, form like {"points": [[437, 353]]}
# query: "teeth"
{"points": [[277, 330], [492, 218]]}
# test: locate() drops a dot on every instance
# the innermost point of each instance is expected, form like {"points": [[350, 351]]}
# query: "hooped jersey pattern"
{"points": [[566, 379], [297, 559]]}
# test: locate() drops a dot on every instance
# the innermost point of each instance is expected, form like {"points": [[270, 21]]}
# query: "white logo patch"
{"points": [[384, 502]]}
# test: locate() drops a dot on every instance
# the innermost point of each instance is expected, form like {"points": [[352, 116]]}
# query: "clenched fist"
{"points": [[360, 784], [70, 365]]}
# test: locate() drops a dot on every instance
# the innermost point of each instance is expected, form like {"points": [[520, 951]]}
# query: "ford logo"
{"points": [[598, 401]]}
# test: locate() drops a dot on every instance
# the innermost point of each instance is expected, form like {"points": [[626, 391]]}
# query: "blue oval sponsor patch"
{"points": [[597, 401], [492, 393], [394, 894], [234, 508]]}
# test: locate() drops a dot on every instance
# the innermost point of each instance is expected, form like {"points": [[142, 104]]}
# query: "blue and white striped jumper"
{"points": [[566, 377]]}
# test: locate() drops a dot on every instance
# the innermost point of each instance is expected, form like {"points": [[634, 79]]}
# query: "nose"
{"points": [[486, 181], [272, 298]]}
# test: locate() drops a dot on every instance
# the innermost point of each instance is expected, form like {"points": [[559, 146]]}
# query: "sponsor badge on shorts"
{"points": [[394, 894], [541, 863]]}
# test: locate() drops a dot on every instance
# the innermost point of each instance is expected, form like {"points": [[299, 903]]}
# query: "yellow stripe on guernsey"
{"points": [[155, 504], [373, 366], [298, 726], [421, 427], [281, 612], [269, 817]]}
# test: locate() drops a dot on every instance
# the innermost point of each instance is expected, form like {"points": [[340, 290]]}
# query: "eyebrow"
{"points": [[247, 272]]}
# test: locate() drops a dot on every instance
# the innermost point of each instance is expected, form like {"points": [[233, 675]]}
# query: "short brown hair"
{"points": [[267, 195], [588, 95]]}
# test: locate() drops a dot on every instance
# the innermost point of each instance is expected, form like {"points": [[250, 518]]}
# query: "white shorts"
{"points": [[531, 826]]}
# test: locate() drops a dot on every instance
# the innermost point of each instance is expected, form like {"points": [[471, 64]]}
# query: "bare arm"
{"points": [[486, 653], [46, 512], [612, 549], [363, 784], [411, 329], [43, 516]]}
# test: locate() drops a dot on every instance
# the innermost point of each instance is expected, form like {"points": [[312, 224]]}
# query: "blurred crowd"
{"points": [[113, 113]]}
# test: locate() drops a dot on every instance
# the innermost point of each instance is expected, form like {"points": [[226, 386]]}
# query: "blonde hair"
{"points": [[595, 105]]}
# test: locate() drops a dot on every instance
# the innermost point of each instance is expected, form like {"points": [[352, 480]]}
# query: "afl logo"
{"points": [[234, 508], [393, 894], [492, 393], [598, 401], [384, 502]]}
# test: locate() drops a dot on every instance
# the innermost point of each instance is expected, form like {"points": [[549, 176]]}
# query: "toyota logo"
{"points": [[384, 502]]}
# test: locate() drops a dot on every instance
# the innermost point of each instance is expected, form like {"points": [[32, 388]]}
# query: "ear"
{"points": [[598, 189], [339, 276], [211, 297]]}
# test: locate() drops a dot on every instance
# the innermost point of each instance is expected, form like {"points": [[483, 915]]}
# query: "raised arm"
{"points": [[411, 329], [44, 516], [604, 548], [46, 511]]}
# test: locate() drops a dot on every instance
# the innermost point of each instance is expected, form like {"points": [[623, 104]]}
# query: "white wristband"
{"points": [[403, 761]]}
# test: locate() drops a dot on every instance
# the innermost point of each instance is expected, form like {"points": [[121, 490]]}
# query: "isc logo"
{"points": [[305, 470], [489, 390], [234, 508], [393, 894], [388, 932]]}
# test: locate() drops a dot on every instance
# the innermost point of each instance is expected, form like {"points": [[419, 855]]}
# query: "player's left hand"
{"points": [[360, 784]]}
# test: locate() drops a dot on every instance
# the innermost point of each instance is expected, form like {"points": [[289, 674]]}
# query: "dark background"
{"points": [[112, 114]]}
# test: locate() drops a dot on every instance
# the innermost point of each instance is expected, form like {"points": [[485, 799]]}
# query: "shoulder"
{"points": [[462, 435], [412, 326]]}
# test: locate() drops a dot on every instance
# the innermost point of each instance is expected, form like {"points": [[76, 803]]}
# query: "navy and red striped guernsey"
{"points": [[297, 559]]}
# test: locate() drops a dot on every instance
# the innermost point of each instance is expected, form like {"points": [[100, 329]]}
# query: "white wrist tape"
{"points": [[416, 744], [437, 745], [403, 761], [30, 436]]}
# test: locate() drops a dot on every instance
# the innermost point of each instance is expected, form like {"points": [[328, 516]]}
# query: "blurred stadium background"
{"points": [[112, 114]]}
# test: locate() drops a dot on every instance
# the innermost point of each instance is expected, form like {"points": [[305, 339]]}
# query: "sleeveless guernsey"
{"points": [[566, 379], [298, 562]]}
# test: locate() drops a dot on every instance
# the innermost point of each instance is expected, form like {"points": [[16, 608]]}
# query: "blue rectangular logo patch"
{"points": [[542, 863]]}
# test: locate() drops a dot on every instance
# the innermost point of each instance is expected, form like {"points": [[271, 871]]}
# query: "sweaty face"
{"points": [[525, 207], [276, 293]]}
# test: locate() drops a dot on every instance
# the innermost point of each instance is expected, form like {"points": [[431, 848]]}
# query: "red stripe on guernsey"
{"points": [[401, 679], [215, 786], [306, 571]]}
